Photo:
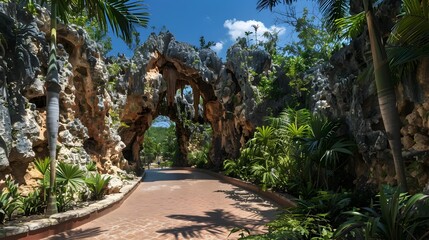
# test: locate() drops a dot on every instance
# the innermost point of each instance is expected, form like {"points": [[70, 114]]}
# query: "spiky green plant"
{"points": [[31, 204], [97, 184], [70, 176], [91, 166], [8, 199], [396, 216]]}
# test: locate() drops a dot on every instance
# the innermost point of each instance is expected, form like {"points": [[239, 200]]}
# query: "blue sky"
{"points": [[221, 21]]}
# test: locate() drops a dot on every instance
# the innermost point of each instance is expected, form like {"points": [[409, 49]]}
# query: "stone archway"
{"points": [[162, 65]]}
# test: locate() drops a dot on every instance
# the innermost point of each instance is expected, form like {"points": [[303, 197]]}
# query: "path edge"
{"points": [[60, 222], [283, 200]]}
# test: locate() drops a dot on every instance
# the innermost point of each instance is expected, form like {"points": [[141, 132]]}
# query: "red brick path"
{"points": [[179, 204]]}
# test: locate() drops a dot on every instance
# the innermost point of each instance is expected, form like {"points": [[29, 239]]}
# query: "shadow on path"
{"points": [[213, 222], [156, 175], [77, 234], [246, 201]]}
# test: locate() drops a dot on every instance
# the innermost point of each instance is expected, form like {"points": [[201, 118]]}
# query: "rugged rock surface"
{"points": [[104, 114], [340, 90], [162, 66], [85, 128]]}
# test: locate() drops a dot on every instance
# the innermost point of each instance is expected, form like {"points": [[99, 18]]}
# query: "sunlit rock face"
{"points": [[86, 132], [162, 65], [103, 115]]}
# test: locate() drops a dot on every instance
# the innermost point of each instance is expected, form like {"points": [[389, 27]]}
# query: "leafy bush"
{"points": [[8, 199], [198, 158], [298, 151], [97, 184], [70, 176], [310, 219], [91, 166], [396, 216], [31, 204], [42, 165], [70, 180], [260, 160]]}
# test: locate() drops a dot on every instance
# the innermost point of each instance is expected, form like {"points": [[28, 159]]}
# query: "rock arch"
{"points": [[163, 65]]}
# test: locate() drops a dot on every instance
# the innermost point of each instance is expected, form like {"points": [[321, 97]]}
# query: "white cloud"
{"points": [[217, 47], [237, 28]]}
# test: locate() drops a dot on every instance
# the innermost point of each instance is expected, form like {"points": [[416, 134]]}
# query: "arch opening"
{"points": [[159, 146]]}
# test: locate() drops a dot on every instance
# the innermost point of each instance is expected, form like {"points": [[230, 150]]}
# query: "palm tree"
{"points": [[121, 16], [247, 33], [256, 27], [335, 9]]}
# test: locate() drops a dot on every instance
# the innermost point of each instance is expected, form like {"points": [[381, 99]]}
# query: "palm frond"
{"points": [[120, 15], [350, 26], [70, 175], [413, 27], [263, 4], [333, 10], [42, 165]]}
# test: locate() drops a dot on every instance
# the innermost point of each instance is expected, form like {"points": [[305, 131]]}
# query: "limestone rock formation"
{"points": [[162, 66], [340, 91], [106, 105], [85, 132]]}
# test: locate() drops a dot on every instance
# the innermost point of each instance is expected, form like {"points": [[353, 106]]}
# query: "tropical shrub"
{"points": [[91, 166], [31, 204], [198, 158], [310, 219], [396, 216], [260, 160], [70, 180], [8, 199], [42, 165], [97, 184], [299, 152]]}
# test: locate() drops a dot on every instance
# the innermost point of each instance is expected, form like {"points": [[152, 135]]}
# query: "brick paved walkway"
{"points": [[179, 204]]}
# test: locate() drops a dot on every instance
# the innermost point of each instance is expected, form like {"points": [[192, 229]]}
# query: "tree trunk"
{"points": [[386, 96], [53, 111]]}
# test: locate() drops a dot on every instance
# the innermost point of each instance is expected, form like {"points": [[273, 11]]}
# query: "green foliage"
{"points": [[395, 216], [314, 45], [408, 40], [91, 166], [260, 160], [97, 184], [314, 42], [204, 44], [351, 26], [70, 180], [266, 84], [69, 183], [42, 165], [32, 204], [198, 158], [310, 219], [199, 144], [70, 176], [299, 151], [8, 199]]}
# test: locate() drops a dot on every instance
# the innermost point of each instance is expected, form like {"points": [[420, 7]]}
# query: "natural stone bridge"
{"points": [[94, 101], [162, 65]]}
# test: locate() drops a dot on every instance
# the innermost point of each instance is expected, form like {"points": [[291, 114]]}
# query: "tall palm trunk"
{"points": [[386, 95], [53, 110]]}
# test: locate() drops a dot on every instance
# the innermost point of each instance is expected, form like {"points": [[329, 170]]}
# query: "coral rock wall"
{"points": [[85, 132], [161, 66]]}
